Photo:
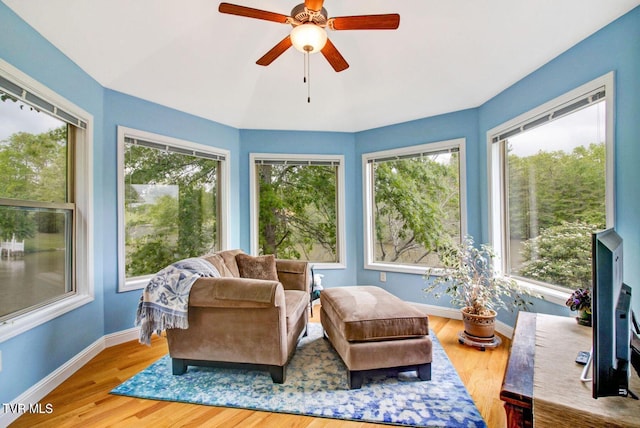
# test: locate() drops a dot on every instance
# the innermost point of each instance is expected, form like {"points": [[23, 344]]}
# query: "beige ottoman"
{"points": [[372, 329]]}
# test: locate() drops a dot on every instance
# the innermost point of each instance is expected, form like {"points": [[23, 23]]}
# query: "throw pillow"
{"points": [[257, 267]]}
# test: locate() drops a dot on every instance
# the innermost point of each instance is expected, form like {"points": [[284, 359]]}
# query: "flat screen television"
{"points": [[611, 313]]}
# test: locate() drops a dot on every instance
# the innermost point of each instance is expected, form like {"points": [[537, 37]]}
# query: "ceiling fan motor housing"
{"points": [[301, 14]]}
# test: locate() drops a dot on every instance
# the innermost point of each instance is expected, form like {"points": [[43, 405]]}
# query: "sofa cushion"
{"points": [[199, 265], [366, 313], [229, 257], [218, 262], [297, 302], [257, 267], [293, 274]]}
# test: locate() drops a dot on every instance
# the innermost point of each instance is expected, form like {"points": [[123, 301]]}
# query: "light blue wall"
{"points": [[30, 357]]}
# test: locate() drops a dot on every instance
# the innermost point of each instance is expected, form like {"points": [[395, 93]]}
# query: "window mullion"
{"points": [[504, 196], [36, 204]]}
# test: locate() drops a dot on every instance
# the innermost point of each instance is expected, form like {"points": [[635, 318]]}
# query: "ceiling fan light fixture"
{"points": [[308, 37]]}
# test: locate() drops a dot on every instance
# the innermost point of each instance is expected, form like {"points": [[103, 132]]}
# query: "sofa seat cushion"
{"points": [[367, 313], [297, 302]]}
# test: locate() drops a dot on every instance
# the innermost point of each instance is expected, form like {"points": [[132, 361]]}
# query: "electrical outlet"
{"points": [[383, 277]]}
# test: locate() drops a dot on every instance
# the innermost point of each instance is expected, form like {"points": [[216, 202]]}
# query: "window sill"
{"points": [[133, 284], [26, 322], [558, 297], [388, 267], [327, 266]]}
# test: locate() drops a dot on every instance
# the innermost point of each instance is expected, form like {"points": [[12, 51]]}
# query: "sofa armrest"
{"points": [[236, 293], [294, 274]]}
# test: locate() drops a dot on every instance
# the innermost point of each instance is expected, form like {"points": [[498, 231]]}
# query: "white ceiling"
{"points": [[447, 55]]}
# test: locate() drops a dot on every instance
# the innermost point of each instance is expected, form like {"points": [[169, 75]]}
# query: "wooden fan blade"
{"points": [[275, 52], [334, 57], [249, 12], [389, 21], [314, 4]]}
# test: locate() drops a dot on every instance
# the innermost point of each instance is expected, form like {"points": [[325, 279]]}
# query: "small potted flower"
{"points": [[580, 300]]}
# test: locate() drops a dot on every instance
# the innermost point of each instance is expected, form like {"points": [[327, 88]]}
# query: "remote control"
{"points": [[582, 358]]}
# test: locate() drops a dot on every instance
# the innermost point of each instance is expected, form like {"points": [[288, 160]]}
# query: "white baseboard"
{"points": [[123, 336], [37, 392], [453, 313]]}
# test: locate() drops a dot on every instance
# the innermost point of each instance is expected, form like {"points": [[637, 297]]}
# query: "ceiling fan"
{"points": [[309, 21]]}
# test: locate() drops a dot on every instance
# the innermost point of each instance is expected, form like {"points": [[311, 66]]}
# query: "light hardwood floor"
{"points": [[83, 400]]}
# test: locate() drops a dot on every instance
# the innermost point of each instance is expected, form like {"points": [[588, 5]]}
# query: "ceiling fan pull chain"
{"points": [[308, 78], [305, 58]]}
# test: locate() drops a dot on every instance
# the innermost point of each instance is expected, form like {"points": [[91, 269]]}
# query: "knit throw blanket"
{"points": [[165, 299]]}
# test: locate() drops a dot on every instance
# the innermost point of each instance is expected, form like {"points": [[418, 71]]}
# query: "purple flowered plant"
{"points": [[580, 300]]}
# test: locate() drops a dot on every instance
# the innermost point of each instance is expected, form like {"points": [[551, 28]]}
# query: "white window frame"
{"points": [[497, 207], [367, 196], [139, 282], [83, 245], [253, 192]]}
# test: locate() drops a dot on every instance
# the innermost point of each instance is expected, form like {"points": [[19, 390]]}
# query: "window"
{"points": [[551, 181], [296, 207], [45, 263], [172, 195], [415, 205]]}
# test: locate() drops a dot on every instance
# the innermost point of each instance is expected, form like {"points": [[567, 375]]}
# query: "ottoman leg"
{"points": [[355, 379], [424, 371]]}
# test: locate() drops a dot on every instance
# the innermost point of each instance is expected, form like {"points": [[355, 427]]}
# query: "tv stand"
{"points": [[542, 386]]}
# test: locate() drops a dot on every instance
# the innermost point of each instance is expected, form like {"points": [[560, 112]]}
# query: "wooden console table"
{"points": [[542, 386]]}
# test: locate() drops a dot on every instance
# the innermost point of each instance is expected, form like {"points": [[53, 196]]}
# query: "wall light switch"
{"points": [[383, 277]]}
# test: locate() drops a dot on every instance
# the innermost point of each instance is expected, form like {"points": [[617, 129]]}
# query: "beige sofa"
{"points": [[241, 321]]}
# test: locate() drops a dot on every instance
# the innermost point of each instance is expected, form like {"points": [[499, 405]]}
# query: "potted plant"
{"points": [[474, 285], [580, 300]]}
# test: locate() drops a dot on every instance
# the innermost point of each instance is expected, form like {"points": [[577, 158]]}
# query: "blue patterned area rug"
{"points": [[316, 385]]}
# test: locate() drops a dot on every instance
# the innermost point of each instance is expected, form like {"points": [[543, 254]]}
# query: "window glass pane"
{"points": [[298, 211], [416, 208], [171, 208], [33, 154], [556, 197], [36, 222], [35, 262]]}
